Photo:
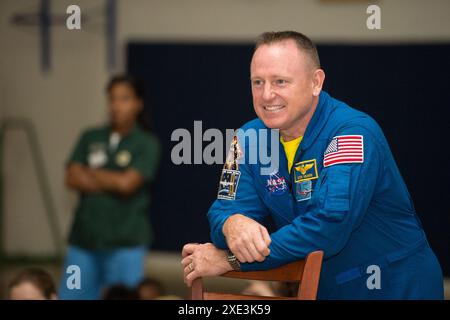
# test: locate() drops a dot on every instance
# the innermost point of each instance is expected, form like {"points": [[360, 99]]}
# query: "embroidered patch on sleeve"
{"points": [[234, 155], [344, 149], [229, 181]]}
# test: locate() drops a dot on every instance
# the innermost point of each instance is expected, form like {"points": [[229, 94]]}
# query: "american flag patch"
{"points": [[344, 149]]}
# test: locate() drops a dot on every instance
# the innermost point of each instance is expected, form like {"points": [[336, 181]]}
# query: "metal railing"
{"points": [[44, 189]]}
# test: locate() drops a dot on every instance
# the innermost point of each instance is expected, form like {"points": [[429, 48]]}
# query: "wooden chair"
{"points": [[306, 272]]}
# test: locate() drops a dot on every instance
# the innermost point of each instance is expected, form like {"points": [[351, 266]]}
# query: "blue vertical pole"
{"points": [[111, 14], [44, 23]]}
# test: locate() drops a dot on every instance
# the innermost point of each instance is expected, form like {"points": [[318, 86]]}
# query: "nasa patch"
{"points": [[276, 185]]}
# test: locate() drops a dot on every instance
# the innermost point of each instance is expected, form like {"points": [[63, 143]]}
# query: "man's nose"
{"points": [[268, 93]]}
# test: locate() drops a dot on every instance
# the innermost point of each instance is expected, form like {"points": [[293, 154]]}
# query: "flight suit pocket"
{"points": [[370, 281], [337, 189]]}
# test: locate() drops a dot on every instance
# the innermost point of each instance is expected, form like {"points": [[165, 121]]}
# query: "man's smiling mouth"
{"points": [[273, 108]]}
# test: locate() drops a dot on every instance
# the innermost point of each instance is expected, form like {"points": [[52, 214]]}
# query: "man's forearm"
{"points": [[124, 183], [79, 179], [216, 221], [106, 179]]}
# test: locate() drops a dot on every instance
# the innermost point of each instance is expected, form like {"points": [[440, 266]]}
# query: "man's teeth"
{"points": [[273, 108]]}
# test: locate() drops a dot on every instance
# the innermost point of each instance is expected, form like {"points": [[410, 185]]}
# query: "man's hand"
{"points": [[203, 260], [247, 239]]}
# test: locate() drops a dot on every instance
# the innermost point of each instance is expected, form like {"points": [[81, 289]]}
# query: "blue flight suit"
{"points": [[360, 214]]}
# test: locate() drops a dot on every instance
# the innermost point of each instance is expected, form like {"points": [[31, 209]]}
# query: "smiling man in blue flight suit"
{"points": [[337, 189]]}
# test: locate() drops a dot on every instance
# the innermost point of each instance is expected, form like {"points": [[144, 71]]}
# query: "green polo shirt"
{"points": [[108, 220]]}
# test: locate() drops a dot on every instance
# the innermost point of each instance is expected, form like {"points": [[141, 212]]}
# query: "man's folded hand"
{"points": [[246, 238]]}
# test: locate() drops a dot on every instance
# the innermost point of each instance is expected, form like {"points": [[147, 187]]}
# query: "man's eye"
{"points": [[280, 81], [256, 82]]}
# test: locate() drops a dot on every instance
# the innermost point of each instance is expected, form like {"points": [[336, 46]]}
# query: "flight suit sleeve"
{"points": [[147, 158], [338, 205], [242, 198]]}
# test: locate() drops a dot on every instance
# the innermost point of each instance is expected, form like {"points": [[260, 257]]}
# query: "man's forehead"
{"points": [[280, 56]]}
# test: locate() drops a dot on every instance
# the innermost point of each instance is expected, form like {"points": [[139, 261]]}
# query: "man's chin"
{"points": [[118, 123], [272, 123]]}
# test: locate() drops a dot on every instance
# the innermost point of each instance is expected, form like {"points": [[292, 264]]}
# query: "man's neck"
{"points": [[300, 129], [124, 130]]}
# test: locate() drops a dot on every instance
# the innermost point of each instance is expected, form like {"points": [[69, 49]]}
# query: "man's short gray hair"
{"points": [[303, 43]]}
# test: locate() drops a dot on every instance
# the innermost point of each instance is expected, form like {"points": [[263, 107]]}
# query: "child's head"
{"points": [[32, 284], [119, 292], [150, 289]]}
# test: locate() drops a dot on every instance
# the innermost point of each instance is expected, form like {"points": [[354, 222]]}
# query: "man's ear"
{"points": [[318, 79]]}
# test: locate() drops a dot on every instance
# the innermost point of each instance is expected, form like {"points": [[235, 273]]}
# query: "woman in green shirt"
{"points": [[111, 168]]}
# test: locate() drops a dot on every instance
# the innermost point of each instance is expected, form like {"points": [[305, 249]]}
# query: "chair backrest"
{"points": [[306, 272]]}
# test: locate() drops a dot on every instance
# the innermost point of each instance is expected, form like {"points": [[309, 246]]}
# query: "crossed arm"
{"points": [[87, 180]]}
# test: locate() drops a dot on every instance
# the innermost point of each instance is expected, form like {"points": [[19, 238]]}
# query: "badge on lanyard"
{"points": [[123, 158], [97, 156]]}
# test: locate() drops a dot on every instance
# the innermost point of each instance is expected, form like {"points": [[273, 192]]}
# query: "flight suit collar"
{"points": [[317, 121], [314, 127], [283, 204]]}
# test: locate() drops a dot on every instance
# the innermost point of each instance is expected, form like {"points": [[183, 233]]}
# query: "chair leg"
{"points": [[311, 276], [197, 289]]}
